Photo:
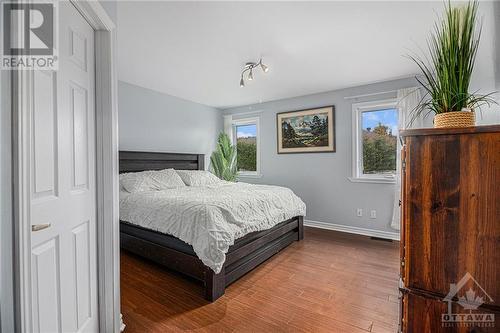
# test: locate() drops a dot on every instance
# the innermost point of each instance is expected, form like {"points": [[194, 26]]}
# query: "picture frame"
{"points": [[306, 131]]}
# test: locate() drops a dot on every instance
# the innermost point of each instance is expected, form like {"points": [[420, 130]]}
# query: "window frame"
{"points": [[357, 141], [242, 122]]}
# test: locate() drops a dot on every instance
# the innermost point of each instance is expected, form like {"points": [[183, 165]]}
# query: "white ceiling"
{"points": [[196, 50]]}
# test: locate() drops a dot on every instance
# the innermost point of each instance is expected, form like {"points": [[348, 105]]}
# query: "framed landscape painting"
{"points": [[306, 131]]}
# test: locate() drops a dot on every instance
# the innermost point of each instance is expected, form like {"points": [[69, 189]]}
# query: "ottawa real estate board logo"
{"points": [[29, 35], [470, 297]]}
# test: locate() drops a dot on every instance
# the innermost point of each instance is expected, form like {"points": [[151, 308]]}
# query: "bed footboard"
{"points": [[246, 254]]}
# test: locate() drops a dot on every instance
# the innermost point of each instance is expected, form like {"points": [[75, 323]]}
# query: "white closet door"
{"points": [[63, 184]]}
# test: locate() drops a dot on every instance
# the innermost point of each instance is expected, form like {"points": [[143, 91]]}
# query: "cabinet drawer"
{"points": [[429, 314]]}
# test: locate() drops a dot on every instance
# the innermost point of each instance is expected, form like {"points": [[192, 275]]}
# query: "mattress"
{"points": [[211, 218]]}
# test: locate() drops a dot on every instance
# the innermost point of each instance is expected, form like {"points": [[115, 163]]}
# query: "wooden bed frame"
{"points": [[246, 253]]}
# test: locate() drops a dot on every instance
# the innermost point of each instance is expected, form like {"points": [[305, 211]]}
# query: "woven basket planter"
{"points": [[455, 119]]}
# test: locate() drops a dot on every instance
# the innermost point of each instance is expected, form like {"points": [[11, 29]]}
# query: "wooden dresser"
{"points": [[450, 231]]}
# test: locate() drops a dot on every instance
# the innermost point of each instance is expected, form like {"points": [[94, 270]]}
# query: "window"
{"points": [[375, 141], [246, 137]]}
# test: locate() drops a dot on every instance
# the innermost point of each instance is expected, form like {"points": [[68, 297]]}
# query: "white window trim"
{"points": [[249, 121], [357, 157]]}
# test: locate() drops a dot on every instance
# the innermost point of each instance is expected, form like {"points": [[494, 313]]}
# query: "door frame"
{"points": [[107, 219]]}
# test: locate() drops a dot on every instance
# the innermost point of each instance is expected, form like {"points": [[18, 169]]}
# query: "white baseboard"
{"points": [[352, 230]]}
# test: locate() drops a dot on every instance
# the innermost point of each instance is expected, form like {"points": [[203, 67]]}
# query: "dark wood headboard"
{"points": [[135, 161]]}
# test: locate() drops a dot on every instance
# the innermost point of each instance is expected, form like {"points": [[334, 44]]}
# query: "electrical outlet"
{"points": [[373, 214], [359, 212]]}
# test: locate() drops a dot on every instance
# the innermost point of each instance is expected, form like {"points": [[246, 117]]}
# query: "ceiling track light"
{"points": [[249, 67]]}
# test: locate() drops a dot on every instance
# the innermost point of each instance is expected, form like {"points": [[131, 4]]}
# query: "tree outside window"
{"points": [[379, 141], [246, 146]]}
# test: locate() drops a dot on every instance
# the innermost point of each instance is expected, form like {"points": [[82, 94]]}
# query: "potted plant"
{"points": [[223, 162], [446, 75]]}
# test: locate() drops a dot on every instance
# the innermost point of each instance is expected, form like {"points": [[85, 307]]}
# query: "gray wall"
{"points": [[321, 179], [110, 8], [6, 281], [6, 286], [153, 121]]}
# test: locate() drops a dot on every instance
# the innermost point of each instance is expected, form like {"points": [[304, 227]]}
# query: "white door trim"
{"points": [[108, 255]]}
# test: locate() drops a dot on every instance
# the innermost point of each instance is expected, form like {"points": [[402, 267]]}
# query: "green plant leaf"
{"points": [[223, 161]]}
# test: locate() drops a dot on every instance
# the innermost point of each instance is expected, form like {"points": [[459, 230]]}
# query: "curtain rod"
{"points": [[373, 94], [243, 113]]}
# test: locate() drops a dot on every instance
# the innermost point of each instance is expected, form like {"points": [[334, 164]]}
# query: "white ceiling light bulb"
{"points": [[250, 75], [264, 67], [242, 82]]}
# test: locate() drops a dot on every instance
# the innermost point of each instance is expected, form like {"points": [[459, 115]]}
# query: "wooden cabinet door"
{"points": [[452, 212], [402, 200]]}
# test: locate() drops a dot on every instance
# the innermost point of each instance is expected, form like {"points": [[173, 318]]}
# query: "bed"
{"points": [[244, 255]]}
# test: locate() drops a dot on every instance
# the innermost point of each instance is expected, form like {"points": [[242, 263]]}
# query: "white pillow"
{"points": [[198, 177], [150, 180]]}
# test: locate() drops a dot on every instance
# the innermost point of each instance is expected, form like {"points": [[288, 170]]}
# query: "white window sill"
{"points": [[249, 175], [372, 180]]}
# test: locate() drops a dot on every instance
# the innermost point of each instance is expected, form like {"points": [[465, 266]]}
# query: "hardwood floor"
{"points": [[330, 282]]}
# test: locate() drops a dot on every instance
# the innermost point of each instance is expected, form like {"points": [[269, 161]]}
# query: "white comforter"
{"points": [[210, 218]]}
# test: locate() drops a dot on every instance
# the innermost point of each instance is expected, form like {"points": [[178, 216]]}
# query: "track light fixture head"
{"points": [[265, 69], [249, 67]]}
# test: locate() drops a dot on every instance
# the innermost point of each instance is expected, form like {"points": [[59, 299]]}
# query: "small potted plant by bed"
{"points": [[446, 75]]}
